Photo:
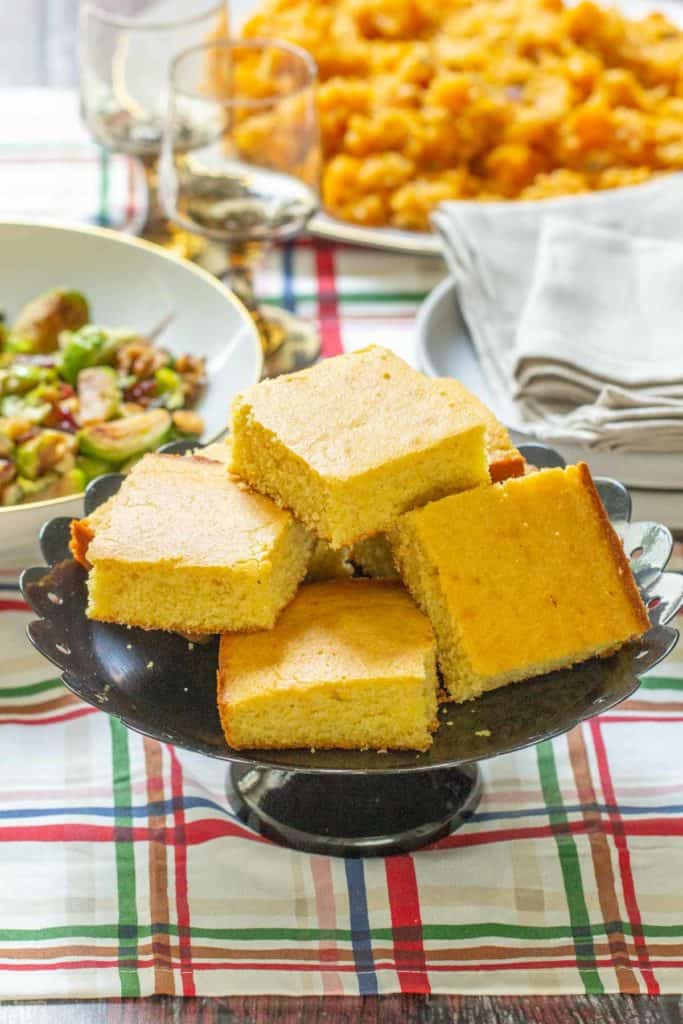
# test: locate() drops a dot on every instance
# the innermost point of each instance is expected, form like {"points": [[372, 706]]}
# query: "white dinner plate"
{"points": [[129, 283], [445, 349], [413, 243]]}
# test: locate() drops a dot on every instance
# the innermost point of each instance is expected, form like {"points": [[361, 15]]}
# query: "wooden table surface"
{"points": [[367, 1010]]}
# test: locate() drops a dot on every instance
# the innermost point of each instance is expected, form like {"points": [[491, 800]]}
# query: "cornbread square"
{"points": [[184, 546], [351, 443], [350, 664], [519, 579]]}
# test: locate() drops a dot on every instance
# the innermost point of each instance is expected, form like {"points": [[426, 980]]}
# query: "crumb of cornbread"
{"points": [[187, 547], [354, 441], [373, 555], [350, 665], [519, 579]]}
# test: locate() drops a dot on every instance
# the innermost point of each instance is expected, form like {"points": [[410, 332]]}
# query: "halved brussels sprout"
{"points": [[89, 346], [41, 321], [119, 440]]}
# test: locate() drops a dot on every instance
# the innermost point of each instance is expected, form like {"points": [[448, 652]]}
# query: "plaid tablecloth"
{"points": [[123, 870]]}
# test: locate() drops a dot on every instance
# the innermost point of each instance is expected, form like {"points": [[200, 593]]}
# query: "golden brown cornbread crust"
{"points": [[189, 509], [479, 650], [81, 535], [185, 546], [350, 663], [503, 466], [630, 587], [350, 414], [354, 441], [83, 532]]}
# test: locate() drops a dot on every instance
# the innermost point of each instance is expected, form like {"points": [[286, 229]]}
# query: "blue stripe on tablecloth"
{"points": [[288, 294], [360, 927], [191, 802]]}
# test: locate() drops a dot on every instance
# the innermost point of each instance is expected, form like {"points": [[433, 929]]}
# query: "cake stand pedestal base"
{"points": [[353, 814]]}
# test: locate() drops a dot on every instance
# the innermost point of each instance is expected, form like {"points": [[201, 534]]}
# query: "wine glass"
{"points": [[126, 48], [241, 165]]}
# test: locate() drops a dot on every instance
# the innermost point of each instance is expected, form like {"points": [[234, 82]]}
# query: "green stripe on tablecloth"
{"points": [[487, 930], [571, 869], [30, 690], [128, 931], [661, 683], [351, 297], [103, 218]]}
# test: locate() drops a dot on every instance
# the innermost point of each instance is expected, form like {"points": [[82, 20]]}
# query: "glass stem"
{"points": [[156, 223], [240, 277]]}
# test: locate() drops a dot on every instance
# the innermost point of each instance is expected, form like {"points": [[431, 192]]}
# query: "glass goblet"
{"points": [[241, 166], [126, 48]]}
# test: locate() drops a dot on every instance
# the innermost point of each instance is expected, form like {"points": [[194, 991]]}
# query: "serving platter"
{"points": [[445, 349], [338, 802]]}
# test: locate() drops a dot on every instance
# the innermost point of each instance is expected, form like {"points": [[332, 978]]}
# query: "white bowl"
{"points": [[129, 283]]}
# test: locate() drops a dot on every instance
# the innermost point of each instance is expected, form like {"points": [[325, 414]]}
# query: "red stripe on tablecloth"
{"points": [[321, 870], [180, 854], [197, 832], [131, 208], [628, 885], [12, 605], [328, 310], [663, 716], [406, 923], [269, 965], [646, 827], [68, 716]]}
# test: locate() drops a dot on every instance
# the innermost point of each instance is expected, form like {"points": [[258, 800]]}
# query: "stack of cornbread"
{"points": [[361, 464]]}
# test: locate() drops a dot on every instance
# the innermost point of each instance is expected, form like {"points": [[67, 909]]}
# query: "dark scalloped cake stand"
{"points": [[351, 803]]}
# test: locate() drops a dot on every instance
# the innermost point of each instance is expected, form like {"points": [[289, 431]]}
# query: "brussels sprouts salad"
{"points": [[78, 400]]}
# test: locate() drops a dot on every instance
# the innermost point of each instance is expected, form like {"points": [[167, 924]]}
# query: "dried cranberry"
{"points": [[141, 391], [66, 420]]}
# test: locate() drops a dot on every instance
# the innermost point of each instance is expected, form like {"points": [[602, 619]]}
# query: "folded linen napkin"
{"points": [[574, 306], [620, 420]]}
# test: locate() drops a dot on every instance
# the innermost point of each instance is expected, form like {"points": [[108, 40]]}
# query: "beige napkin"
{"points": [[575, 306]]}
